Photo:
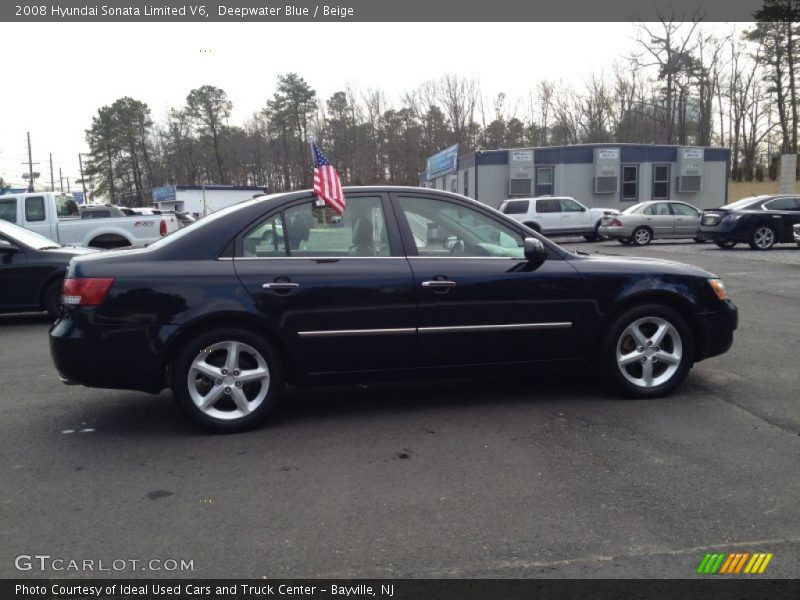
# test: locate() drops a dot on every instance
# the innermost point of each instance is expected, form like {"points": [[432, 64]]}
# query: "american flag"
{"points": [[326, 181]]}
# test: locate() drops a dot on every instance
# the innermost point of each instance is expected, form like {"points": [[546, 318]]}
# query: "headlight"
{"points": [[719, 288]]}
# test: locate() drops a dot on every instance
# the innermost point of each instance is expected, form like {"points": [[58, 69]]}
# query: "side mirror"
{"points": [[450, 242], [7, 247], [535, 252], [583, 209]]}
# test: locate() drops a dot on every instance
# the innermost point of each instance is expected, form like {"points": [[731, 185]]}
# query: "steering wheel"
{"points": [[457, 248]]}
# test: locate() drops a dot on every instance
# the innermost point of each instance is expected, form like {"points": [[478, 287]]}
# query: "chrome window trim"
{"points": [[337, 258]]}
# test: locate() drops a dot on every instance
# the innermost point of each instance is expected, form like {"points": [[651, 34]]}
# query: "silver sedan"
{"points": [[646, 221]]}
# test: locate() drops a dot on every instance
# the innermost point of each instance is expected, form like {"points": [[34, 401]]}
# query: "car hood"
{"points": [[636, 264]]}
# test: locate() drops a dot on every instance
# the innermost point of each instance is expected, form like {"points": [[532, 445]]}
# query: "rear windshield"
{"points": [[744, 202], [516, 207], [633, 209]]}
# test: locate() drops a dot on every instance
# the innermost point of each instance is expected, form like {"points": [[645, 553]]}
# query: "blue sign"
{"points": [[78, 197], [443, 162], [164, 193]]}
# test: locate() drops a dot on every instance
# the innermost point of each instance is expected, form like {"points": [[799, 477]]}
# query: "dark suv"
{"points": [[761, 221]]}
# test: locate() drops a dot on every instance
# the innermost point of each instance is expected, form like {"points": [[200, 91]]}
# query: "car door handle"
{"points": [[439, 283], [280, 286]]}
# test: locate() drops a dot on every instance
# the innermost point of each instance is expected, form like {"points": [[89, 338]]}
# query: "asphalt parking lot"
{"points": [[529, 477]]}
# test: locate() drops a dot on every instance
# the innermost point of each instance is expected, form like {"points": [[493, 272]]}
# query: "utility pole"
{"points": [[83, 181], [68, 185], [30, 164], [61, 179], [52, 181]]}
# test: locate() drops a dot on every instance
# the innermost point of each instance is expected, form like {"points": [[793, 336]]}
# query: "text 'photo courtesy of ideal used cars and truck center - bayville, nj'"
{"points": [[400, 301]]}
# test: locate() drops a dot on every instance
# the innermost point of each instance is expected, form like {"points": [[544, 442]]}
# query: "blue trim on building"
{"points": [[584, 153]]}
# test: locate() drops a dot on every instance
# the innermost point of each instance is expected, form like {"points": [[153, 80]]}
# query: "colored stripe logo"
{"points": [[734, 563]]}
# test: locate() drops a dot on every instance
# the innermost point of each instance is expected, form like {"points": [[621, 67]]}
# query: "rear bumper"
{"points": [[106, 357], [717, 330], [723, 232], [614, 232]]}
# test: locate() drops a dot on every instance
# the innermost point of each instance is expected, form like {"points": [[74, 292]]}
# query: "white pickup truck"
{"points": [[556, 215], [56, 216]]}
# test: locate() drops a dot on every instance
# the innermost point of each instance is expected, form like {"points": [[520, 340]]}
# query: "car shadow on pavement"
{"points": [[26, 319], [156, 416], [369, 400]]}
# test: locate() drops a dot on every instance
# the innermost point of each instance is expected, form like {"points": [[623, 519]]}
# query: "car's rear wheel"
{"points": [[52, 298], [227, 380], [726, 245], [642, 236], [762, 238], [648, 351]]}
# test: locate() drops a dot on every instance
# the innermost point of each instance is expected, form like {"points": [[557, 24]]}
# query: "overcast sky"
{"points": [[56, 75]]}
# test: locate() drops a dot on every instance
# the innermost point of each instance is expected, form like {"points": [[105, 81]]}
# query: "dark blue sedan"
{"points": [[411, 283]]}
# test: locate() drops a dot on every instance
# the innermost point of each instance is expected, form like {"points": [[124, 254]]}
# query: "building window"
{"points": [[630, 182], [660, 182], [544, 181], [466, 182]]}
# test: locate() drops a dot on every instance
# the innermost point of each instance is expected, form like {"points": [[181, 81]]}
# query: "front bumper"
{"points": [[796, 234], [717, 330], [107, 356]]}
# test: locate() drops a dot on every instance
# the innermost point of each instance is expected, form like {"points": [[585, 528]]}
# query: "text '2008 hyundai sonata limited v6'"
{"points": [[409, 283]]}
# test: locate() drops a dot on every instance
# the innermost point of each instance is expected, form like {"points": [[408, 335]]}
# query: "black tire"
{"points": [[608, 352], [534, 226], [642, 236], [625, 241], [698, 241], [762, 238], [726, 245], [204, 343], [592, 238], [52, 298]]}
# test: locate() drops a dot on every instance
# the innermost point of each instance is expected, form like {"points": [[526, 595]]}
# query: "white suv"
{"points": [[556, 215]]}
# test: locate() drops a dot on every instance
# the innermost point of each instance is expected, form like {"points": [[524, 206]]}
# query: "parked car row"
{"points": [[411, 283], [759, 221], [57, 217]]}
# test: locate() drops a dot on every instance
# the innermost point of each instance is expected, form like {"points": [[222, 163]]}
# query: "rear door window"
{"points": [[516, 207], [548, 206], [782, 204], [34, 209]]}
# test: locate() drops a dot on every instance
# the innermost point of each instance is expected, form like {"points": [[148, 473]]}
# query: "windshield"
{"points": [[26, 237], [744, 202], [633, 209], [205, 221]]}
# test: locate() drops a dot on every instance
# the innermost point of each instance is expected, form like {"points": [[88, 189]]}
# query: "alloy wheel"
{"points": [[228, 380], [649, 352], [642, 236], [764, 238]]}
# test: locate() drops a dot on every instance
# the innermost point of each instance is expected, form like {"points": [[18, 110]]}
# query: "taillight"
{"points": [[86, 291], [615, 223], [162, 229]]}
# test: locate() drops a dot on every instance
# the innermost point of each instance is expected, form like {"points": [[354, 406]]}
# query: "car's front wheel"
{"points": [[52, 298], [227, 379], [648, 351]]}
